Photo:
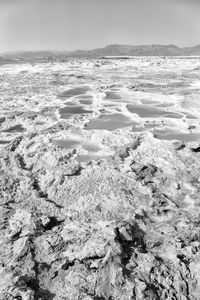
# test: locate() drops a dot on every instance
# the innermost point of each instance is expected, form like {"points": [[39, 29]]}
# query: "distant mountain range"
{"points": [[110, 50], [146, 50]]}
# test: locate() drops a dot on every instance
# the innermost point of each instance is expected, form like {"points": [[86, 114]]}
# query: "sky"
{"points": [[88, 24]]}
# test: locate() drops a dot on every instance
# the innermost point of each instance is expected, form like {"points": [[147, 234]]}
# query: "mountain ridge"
{"points": [[109, 50], [138, 50]]}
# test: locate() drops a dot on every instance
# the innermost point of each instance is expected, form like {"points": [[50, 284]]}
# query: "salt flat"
{"points": [[99, 186], [161, 92]]}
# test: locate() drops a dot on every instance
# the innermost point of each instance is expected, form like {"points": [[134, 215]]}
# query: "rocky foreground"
{"points": [[122, 228], [121, 223]]}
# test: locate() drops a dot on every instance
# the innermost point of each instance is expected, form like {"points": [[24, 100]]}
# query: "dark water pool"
{"points": [[147, 111], [110, 122], [2, 120], [91, 148], [169, 134], [73, 92], [189, 116], [72, 144], [66, 143], [85, 102], [71, 103], [86, 158], [2, 142], [68, 111], [145, 101], [112, 96], [14, 129], [164, 105]]}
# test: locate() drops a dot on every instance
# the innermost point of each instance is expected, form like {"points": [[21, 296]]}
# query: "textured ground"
{"points": [[100, 214]]}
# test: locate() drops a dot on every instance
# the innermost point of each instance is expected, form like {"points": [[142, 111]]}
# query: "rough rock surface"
{"points": [[121, 223], [122, 228]]}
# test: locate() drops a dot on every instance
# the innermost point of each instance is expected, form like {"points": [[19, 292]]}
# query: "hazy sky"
{"points": [[87, 24]]}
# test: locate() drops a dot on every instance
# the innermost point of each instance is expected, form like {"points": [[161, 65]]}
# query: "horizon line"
{"points": [[91, 49]]}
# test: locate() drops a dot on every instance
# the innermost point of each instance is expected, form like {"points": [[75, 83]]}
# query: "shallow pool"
{"points": [[110, 122], [15, 129], [68, 111], [66, 143], [169, 134], [73, 92], [147, 111], [2, 142]]}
